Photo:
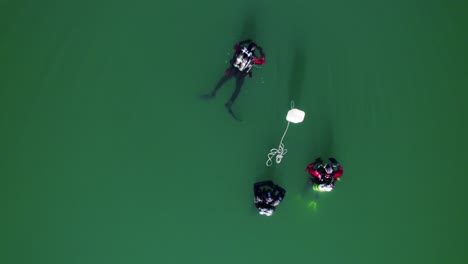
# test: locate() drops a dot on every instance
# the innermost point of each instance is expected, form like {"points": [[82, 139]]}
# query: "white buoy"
{"points": [[295, 116]]}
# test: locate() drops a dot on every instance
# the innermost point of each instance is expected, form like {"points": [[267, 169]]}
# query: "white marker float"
{"points": [[295, 116]]}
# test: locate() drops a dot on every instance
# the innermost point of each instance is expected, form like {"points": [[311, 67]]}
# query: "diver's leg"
{"points": [[225, 78], [239, 81]]}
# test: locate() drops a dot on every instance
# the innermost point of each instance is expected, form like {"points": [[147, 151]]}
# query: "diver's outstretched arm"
{"points": [[281, 192], [263, 183], [334, 161], [262, 54], [238, 45], [260, 60], [247, 41], [339, 169]]}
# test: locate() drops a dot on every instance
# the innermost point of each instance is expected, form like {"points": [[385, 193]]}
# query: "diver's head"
{"points": [[328, 168], [252, 47], [321, 170]]}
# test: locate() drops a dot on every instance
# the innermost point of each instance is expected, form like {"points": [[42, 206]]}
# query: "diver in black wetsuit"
{"points": [[267, 196], [241, 65]]}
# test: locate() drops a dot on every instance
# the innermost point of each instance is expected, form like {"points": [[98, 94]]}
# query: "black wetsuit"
{"points": [[267, 189]]}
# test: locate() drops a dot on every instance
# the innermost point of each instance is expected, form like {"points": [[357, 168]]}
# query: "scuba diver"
{"points": [[324, 175], [241, 65], [267, 196]]}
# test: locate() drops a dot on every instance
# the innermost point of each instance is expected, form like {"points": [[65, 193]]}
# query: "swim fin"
{"points": [[228, 107], [208, 96]]}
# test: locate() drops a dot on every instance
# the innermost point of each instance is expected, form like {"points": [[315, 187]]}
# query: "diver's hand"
{"points": [[334, 161], [261, 51]]}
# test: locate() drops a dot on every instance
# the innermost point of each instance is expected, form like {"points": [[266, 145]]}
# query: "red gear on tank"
{"points": [[315, 173], [259, 61], [310, 169]]}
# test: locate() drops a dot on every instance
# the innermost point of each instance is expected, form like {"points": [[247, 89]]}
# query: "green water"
{"points": [[108, 155]]}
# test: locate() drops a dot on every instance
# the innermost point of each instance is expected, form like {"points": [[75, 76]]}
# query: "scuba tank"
{"points": [[323, 187], [244, 60]]}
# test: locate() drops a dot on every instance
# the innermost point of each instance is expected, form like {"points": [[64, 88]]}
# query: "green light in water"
{"points": [[313, 205]]}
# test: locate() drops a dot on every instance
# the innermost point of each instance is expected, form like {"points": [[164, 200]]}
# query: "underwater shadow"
{"points": [[249, 26], [321, 144], [327, 137], [297, 75], [269, 173]]}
